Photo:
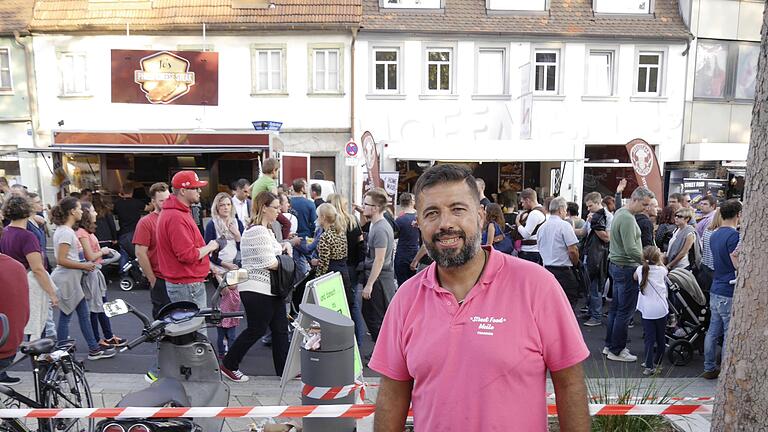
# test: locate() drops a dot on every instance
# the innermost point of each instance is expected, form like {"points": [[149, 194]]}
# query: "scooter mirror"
{"points": [[115, 308], [234, 277]]}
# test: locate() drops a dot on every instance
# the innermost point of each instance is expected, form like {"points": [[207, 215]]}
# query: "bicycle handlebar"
{"points": [[6, 329]]}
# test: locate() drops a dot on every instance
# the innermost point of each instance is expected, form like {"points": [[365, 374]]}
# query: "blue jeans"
{"points": [[50, 326], [84, 319], [654, 336], [228, 334], [625, 291], [595, 299], [718, 327], [194, 292]]}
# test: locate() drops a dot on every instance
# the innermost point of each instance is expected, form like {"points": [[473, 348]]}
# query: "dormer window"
{"points": [[633, 7], [411, 4], [516, 5]]}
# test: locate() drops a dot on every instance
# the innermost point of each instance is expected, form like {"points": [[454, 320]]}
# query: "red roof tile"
{"points": [[15, 15]]}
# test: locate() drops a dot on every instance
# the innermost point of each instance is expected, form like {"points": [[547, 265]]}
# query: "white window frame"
{"points": [[663, 52], [613, 50], [500, 6], [596, 6], [411, 4], [373, 92], [62, 79], [504, 48], [282, 89], [731, 71], [452, 48], [6, 88], [312, 49], [558, 50]]}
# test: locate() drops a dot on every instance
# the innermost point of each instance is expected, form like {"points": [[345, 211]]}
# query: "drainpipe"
{"points": [[29, 61], [353, 169]]}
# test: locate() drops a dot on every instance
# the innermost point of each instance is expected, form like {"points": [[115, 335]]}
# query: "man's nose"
{"points": [[447, 221]]}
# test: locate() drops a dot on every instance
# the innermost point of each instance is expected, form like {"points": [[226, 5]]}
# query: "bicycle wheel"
{"points": [[65, 386], [11, 425]]}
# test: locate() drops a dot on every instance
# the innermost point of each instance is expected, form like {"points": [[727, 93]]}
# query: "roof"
{"points": [[15, 15], [565, 18], [160, 15]]}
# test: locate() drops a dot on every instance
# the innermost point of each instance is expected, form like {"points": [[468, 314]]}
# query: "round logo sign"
{"points": [[641, 156], [351, 149]]}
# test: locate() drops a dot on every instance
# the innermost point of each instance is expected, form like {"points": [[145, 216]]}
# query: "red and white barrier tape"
{"points": [[327, 411], [330, 393], [636, 400]]}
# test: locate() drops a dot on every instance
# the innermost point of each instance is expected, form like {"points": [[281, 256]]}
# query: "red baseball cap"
{"points": [[187, 180]]}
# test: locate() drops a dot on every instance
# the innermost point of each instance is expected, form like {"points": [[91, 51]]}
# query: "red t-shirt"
{"points": [[145, 236], [14, 291]]}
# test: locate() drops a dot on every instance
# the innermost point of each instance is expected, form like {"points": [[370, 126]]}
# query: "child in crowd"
{"points": [[652, 304]]}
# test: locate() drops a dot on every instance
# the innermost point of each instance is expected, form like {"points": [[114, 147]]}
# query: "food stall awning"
{"points": [[165, 142], [482, 150]]}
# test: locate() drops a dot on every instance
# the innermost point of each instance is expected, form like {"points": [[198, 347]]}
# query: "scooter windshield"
{"points": [[181, 315]]}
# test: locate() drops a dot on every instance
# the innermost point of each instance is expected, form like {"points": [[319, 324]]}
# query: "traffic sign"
{"points": [[350, 161], [351, 149]]}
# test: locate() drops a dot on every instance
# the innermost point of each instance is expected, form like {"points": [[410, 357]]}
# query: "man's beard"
{"points": [[448, 259]]}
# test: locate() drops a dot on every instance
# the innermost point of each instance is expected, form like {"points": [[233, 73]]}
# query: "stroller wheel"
{"points": [[127, 283], [680, 352]]}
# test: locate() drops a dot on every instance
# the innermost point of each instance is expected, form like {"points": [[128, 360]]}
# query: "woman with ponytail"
{"points": [[653, 306]]}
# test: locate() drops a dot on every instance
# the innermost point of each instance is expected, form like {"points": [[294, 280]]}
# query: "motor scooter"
{"points": [[189, 374]]}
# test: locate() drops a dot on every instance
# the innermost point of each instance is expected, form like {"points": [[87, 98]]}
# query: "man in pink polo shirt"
{"points": [[468, 342]]}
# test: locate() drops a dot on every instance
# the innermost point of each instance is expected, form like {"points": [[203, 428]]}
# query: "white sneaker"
{"points": [[606, 351], [624, 356]]}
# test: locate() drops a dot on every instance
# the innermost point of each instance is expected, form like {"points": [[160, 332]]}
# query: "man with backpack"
{"points": [[528, 224]]}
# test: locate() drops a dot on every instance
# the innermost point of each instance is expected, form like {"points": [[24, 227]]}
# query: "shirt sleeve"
{"points": [[377, 239], [733, 242], [142, 235], [388, 356], [183, 245], [569, 236], [561, 340], [256, 248], [31, 244], [324, 252]]}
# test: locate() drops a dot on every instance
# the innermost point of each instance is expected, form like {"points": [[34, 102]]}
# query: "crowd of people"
{"points": [[621, 252]]}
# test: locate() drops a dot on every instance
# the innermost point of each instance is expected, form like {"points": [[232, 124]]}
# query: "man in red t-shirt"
{"points": [[14, 291], [146, 247]]}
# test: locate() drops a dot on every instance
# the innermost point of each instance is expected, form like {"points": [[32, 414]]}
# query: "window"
{"points": [[74, 74], [546, 65], [385, 64], [439, 78], [649, 73], [725, 70], [268, 68], [600, 73], [5, 70], [491, 72], [326, 73], [634, 7], [412, 4], [516, 5]]}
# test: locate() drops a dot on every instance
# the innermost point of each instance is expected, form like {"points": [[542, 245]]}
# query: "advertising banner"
{"points": [[165, 77], [646, 167]]}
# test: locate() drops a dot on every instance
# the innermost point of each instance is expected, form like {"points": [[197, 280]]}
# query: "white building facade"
{"points": [[297, 73], [520, 90]]}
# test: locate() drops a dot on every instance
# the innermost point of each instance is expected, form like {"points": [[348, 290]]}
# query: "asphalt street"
{"points": [[258, 362]]}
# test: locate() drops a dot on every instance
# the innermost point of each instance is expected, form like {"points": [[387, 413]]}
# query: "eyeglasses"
{"points": [[274, 207], [368, 204], [679, 216]]}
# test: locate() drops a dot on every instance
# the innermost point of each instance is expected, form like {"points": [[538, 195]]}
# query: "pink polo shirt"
{"points": [[481, 366]]}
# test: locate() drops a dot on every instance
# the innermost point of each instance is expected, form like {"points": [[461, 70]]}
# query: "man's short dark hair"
{"points": [[677, 197], [17, 207], [316, 188], [730, 209], [157, 187], [446, 173], [593, 197], [406, 199], [298, 185], [241, 184], [530, 194], [86, 191], [270, 165], [75, 195], [572, 208], [379, 197], [710, 199]]}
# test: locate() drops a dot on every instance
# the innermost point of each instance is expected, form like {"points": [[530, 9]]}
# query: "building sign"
{"points": [[646, 167], [165, 77]]}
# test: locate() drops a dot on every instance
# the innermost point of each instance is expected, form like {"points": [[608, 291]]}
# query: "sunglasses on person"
{"points": [[679, 216]]}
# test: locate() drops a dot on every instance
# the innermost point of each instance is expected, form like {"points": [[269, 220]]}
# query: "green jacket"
{"points": [[626, 247]]}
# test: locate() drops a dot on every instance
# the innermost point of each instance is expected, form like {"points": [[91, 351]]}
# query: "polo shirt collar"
{"points": [[492, 268]]}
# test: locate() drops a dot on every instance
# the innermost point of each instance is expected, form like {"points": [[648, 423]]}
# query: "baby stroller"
{"points": [[689, 320]]}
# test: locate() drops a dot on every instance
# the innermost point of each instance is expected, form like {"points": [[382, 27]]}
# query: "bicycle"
{"points": [[59, 383]]}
